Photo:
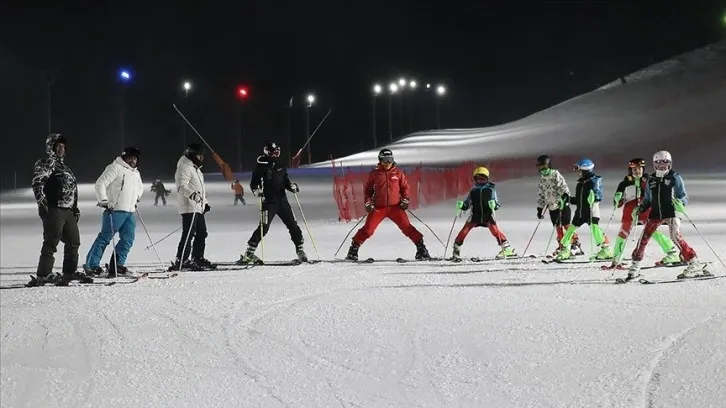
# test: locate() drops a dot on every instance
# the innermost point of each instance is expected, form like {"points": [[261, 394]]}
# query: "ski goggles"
{"points": [[633, 165], [386, 159], [662, 164]]}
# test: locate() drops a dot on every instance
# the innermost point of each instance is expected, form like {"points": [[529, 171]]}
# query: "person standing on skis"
{"points": [[665, 195], [192, 204], [629, 195], [239, 192], [553, 195], [118, 191], [482, 200], [588, 195], [386, 196], [270, 182]]}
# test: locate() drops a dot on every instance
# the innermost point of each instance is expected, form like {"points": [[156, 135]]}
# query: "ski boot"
{"points": [[456, 253], [421, 252], [93, 271], [605, 253], [301, 256], [352, 253], [633, 271], [506, 252], [69, 277], [177, 265], [576, 249], [204, 264], [694, 270], [249, 258], [51, 279], [672, 257], [564, 254], [114, 270]]}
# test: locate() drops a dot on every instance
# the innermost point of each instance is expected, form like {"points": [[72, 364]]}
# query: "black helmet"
{"points": [[544, 160], [192, 151], [637, 162], [131, 152], [271, 149], [385, 156]]}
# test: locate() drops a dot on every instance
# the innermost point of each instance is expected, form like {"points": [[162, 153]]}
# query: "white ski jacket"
{"points": [[188, 180], [550, 189], [120, 185]]}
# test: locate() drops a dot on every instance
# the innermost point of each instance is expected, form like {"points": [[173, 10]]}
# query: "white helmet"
{"points": [[662, 162]]}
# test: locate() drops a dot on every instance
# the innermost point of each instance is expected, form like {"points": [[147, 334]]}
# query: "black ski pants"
{"points": [[194, 229], [59, 225], [282, 209]]}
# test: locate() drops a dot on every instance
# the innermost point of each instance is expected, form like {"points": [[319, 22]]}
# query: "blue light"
{"points": [[124, 75]]}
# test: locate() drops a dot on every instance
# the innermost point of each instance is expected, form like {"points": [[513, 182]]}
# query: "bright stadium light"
{"points": [[377, 89], [393, 88], [440, 90]]}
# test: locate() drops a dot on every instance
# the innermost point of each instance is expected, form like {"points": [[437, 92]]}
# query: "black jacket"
{"points": [[272, 178], [53, 180], [589, 183], [659, 195], [478, 200]]}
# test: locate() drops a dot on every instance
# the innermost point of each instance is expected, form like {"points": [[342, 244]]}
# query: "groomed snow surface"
{"points": [[513, 333]]}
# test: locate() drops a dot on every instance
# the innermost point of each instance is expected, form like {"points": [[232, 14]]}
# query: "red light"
{"points": [[242, 92]]}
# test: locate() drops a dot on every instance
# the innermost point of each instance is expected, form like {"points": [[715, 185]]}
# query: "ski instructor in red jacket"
{"points": [[386, 196]]}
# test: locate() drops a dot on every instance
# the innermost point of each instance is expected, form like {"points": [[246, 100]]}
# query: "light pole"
{"points": [[242, 93], [440, 92], [310, 99], [187, 87], [402, 86], [412, 104], [124, 77], [377, 89], [392, 89]]}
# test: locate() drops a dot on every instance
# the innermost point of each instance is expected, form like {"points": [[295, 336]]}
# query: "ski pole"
{"points": [[426, 225], [532, 237], [113, 264], [186, 240], [306, 225], [552, 234], [262, 230], [451, 231], [167, 236], [347, 235], [143, 224], [704, 239]]}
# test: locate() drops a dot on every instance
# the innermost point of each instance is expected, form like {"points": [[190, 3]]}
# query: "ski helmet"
{"points": [[385, 156], [662, 162], [271, 149], [584, 165], [544, 161], [131, 152], [192, 151], [481, 171]]}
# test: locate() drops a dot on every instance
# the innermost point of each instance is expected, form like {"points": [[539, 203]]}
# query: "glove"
{"points": [[460, 205], [258, 192], [207, 208], [616, 199], [540, 213], [564, 201], [369, 207], [43, 208], [196, 197], [105, 204], [76, 213], [591, 197], [493, 205], [403, 203], [679, 206], [294, 188]]}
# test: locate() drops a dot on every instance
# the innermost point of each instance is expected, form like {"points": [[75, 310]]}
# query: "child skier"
{"points": [[588, 194], [386, 196], [482, 199], [553, 195], [665, 194], [628, 195]]}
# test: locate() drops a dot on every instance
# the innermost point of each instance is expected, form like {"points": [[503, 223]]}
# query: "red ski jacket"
{"points": [[386, 188]]}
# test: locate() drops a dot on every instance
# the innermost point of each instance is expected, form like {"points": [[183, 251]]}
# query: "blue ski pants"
{"points": [[122, 222]]}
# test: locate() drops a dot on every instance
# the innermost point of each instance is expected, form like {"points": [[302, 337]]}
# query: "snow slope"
{"points": [[677, 105]]}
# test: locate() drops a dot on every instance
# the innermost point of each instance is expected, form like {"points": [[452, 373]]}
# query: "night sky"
{"points": [[498, 60]]}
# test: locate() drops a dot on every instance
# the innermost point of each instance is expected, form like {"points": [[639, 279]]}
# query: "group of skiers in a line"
{"points": [[653, 200]]}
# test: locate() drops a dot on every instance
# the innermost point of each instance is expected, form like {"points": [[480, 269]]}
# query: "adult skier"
{"points": [[56, 192], [192, 204], [553, 195], [239, 192], [482, 200], [629, 195], [386, 196], [665, 194], [118, 191], [161, 192], [588, 195], [270, 182]]}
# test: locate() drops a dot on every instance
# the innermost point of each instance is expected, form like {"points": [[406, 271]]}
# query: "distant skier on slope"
{"points": [[588, 195], [386, 196], [482, 200], [629, 195], [239, 192], [270, 182], [665, 195], [161, 192], [553, 195]]}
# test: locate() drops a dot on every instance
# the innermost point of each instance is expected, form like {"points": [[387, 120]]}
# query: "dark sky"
{"points": [[499, 61]]}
